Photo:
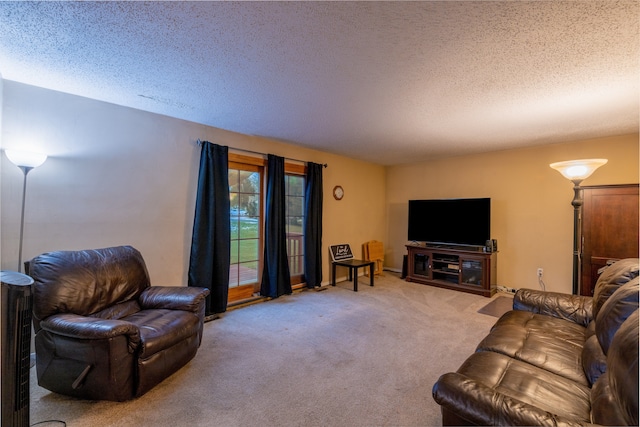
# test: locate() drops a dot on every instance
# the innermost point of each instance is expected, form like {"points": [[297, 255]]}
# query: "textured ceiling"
{"points": [[386, 82]]}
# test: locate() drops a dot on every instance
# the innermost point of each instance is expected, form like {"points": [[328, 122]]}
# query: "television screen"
{"points": [[450, 221]]}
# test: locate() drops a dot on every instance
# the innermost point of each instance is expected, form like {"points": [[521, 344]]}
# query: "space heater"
{"points": [[17, 304]]}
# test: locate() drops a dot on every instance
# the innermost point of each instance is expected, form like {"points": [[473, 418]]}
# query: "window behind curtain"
{"points": [[245, 193], [294, 193]]}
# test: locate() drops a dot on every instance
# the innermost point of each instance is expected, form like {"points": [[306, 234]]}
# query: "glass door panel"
{"points": [[421, 265], [472, 272], [246, 243]]}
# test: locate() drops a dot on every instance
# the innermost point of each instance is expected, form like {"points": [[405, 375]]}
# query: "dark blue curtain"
{"points": [[275, 274], [211, 239], [313, 225]]}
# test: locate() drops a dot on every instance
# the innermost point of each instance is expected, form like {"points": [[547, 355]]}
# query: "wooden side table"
{"points": [[353, 265]]}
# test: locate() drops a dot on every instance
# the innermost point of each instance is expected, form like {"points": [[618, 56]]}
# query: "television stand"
{"points": [[467, 248], [465, 269]]}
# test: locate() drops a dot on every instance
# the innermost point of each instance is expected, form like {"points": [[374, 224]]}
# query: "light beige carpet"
{"points": [[331, 358]]}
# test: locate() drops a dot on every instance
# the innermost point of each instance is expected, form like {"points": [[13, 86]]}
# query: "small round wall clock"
{"points": [[338, 192]]}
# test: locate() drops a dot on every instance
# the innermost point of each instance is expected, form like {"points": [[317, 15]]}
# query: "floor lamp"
{"points": [[26, 161], [577, 171]]}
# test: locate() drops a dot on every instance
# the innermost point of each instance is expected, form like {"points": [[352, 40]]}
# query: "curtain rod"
{"points": [[262, 154]]}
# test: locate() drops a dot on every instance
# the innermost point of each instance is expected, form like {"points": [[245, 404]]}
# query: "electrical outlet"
{"points": [[540, 271]]}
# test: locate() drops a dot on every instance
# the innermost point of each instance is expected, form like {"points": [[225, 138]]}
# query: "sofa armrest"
{"points": [[186, 298], [91, 328], [575, 308], [482, 405]]}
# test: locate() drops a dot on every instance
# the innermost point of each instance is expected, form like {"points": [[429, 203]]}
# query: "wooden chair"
{"points": [[374, 251]]}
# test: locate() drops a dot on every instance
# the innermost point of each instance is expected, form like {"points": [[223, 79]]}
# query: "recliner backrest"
{"points": [[614, 396], [622, 365], [615, 311], [86, 282], [611, 279]]}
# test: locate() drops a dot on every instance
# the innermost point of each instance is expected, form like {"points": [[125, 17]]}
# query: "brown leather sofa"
{"points": [[101, 331], [555, 359]]}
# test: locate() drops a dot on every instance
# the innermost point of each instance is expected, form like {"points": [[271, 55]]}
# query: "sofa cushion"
{"points": [[574, 308], [615, 311], [528, 384], [622, 368], [611, 279], [118, 311], [549, 343], [612, 314], [591, 329], [604, 408], [594, 361], [162, 328]]}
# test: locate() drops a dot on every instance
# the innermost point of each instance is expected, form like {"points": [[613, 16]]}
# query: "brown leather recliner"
{"points": [[101, 331], [555, 359]]}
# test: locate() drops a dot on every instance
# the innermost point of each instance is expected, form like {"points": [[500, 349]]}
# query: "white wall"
{"points": [[118, 176]]}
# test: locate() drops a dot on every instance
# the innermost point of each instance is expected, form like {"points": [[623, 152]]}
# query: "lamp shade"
{"points": [[578, 170], [25, 158]]}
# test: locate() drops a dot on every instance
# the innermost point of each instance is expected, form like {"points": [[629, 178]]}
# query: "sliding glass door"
{"points": [[294, 190], [246, 180], [245, 185]]}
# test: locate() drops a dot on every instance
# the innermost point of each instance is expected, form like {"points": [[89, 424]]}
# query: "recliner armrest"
{"points": [[186, 298], [83, 327], [575, 308], [482, 405]]}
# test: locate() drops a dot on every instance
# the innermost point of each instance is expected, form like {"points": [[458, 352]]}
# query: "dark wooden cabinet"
{"points": [[609, 229], [470, 271]]}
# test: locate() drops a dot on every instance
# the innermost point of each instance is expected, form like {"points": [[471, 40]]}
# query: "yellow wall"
{"points": [[119, 176], [532, 216]]}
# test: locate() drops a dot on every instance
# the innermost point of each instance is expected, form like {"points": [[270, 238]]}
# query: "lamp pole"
{"points": [[577, 234], [25, 161], [25, 170]]}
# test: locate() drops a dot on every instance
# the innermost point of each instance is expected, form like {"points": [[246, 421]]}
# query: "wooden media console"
{"points": [[466, 269]]}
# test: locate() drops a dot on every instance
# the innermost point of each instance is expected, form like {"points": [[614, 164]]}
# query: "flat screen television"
{"points": [[450, 221]]}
